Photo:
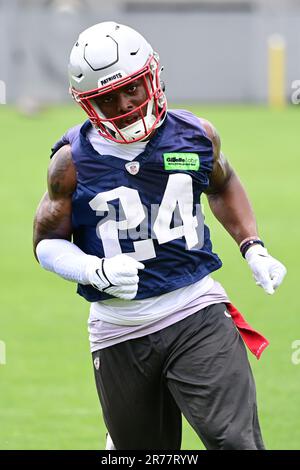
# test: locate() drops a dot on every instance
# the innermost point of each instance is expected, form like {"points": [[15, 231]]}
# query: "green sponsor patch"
{"points": [[181, 161]]}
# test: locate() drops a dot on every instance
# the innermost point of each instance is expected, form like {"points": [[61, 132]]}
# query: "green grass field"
{"points": [[47, 394]]}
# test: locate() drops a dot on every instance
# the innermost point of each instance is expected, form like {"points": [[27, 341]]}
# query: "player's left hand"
{"points": [[268, 272]]}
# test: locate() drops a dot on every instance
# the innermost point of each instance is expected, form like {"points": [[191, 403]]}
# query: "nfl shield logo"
{"points": [[97, 363], [132, 167]]}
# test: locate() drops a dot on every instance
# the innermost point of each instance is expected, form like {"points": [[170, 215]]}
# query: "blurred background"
{"points": [[213, 51], [234, 62]]}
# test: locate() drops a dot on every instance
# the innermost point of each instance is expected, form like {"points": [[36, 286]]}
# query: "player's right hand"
{"points": [[117, 276]]}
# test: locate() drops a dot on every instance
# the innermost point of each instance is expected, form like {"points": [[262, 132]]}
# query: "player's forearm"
{"points": [[233, 209], [65, 259], [117, 276]]}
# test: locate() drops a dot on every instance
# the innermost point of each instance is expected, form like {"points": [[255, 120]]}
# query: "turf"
{"points": [[48, 399]]}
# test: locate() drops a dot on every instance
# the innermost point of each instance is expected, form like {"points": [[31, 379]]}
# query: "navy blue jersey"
{"points": [[148, 208]]}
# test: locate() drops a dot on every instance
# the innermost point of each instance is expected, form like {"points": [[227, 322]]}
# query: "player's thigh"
{"points": [[212, 383], [138, 409]]}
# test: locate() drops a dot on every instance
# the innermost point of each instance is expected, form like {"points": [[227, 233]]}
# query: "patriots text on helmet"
{"points": [[105, 81]]}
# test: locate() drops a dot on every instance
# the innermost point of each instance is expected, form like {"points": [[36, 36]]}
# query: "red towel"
{"points": [[254, 340]]}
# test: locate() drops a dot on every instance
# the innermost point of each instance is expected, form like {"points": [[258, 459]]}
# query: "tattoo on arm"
{"points": [[61, 174], [53, 217], [222, 171], [52, 220]]}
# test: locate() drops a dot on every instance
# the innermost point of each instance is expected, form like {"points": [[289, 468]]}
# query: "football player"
{"points": [[122, 218]]}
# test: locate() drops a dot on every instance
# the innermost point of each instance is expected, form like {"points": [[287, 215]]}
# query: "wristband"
{"points": [[254, 237], [246, 244]]}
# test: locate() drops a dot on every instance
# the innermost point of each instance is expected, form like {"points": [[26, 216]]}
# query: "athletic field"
{"points": [[47, 395]]}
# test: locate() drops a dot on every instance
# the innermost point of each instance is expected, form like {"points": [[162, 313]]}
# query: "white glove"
{"points": [[267, 271], [117, 276]]}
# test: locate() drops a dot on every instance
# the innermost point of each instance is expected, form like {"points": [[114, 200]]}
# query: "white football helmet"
{"points": [[108, 56]]}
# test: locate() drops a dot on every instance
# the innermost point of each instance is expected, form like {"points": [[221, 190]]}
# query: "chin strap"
{"points": [[132, 131]]}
